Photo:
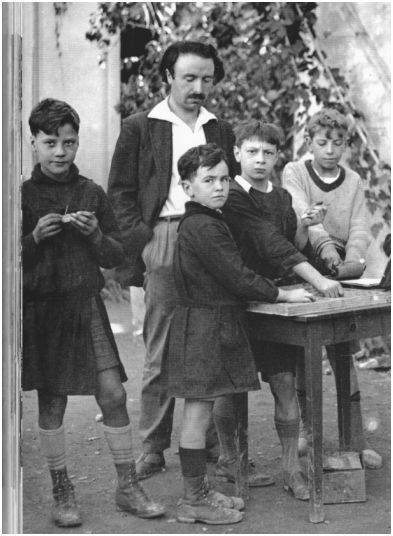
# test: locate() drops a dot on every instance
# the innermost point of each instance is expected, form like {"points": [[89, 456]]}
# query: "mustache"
{"points": [[199, 96]]}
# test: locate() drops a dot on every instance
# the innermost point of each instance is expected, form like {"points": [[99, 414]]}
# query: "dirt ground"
{"points": [[269, 511]]}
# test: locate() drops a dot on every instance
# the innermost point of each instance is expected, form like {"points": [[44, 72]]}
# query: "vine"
{"points": [[275, 71]]}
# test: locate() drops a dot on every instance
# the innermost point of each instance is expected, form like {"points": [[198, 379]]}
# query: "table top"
{"points": [[353, 300]]}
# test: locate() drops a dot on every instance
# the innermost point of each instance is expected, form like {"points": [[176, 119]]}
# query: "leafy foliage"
{"points": [[275, 71]]}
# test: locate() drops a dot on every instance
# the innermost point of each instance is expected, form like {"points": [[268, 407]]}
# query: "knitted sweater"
{"points": [[66, 263], [345, 222]]}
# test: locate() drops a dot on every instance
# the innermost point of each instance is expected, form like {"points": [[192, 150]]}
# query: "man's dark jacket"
{"points": [[140, 177]]}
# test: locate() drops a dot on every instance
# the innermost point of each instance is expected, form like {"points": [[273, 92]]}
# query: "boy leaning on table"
{"points": [[209, 355], [263, 224], [338, 244]]}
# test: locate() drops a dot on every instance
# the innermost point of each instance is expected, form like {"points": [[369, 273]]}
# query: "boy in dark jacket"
{"points": [[69, 232], [209, 354], [263, 224]]}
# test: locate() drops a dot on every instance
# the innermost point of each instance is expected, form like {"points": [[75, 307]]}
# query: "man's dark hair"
{"points": [[208, 155], [330, 119], [190, 47], [254, 129], [51, 114]]}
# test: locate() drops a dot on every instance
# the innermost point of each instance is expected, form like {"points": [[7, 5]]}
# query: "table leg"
{"points": [[241, 479], [313, 365], [343, 388]]}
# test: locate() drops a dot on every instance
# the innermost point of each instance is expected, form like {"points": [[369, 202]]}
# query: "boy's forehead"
{"points": [[219, 169], [329, 133], [66, 130], [257, 142]]}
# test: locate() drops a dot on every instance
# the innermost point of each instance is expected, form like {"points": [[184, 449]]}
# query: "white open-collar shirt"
{"points": [[247, 186], [183, 138]]}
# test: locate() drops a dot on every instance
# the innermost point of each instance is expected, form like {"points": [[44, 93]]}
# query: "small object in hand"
{"points": [[309, 211], [67, 218]]}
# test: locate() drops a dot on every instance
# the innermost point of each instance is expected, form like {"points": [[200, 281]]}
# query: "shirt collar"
{"points": [[163, 112], [247, 186]]}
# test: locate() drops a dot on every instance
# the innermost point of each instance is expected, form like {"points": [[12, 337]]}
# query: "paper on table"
{"points": [[366, 282]]}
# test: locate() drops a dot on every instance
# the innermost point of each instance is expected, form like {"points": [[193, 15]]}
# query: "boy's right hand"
{"points": [[314, 215], [330, 288], [330, 257], [47, 226], [298, 295]]}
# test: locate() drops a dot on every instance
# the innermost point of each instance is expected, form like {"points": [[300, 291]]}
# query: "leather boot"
{"points": [[148, 464], [296, 484], [65, 512], [227, 469], [131, 497], [204, 505]]}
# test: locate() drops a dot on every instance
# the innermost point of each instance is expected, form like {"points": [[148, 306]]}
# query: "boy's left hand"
{"points": [[87, 224]]}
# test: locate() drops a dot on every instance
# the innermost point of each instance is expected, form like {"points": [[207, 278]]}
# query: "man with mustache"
{"points": [[149, 201]]}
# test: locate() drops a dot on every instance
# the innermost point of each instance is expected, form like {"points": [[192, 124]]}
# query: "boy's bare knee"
{"points": [[282, 384], [111, 399], [283, 389]]}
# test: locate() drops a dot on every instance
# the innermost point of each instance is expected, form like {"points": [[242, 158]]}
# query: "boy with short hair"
{"points": [[69, 232], [209, 354], [263, 224], [338, 244]]}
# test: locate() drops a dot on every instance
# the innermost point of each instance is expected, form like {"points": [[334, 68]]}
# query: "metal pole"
{"points": [[12, 106]]}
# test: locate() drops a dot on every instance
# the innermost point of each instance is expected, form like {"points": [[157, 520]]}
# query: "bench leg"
{"points": [[313, 365], [343, 388]]}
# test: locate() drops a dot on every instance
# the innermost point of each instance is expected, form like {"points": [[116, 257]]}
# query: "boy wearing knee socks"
{"points": [[69, 232], [209, 355], [263, 224]]}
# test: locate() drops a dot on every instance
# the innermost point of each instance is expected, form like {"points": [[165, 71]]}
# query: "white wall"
{"points": [[71, 72], [356, 37]]}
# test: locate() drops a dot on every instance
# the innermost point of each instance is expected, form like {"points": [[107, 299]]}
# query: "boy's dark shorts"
{"points": [[274, 358]]}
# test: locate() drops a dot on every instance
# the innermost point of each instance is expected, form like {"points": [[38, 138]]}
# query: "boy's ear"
{"points": [[309, 143], [187, 187], [236, 152], [33, 143]]}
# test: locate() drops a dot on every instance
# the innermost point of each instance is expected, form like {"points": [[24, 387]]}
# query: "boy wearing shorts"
{"points": [[338, 244], [69, 232], [263, 224], [209, 354]]}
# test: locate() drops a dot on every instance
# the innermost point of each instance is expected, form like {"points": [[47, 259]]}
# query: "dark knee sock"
{"points": [[193, 462]]}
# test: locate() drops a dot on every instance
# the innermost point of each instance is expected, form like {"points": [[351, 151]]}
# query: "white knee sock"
{"points": [[53, 446], [120, 443]]}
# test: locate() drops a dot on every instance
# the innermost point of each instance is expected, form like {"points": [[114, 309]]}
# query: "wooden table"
{"points": [[327, 321]]}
